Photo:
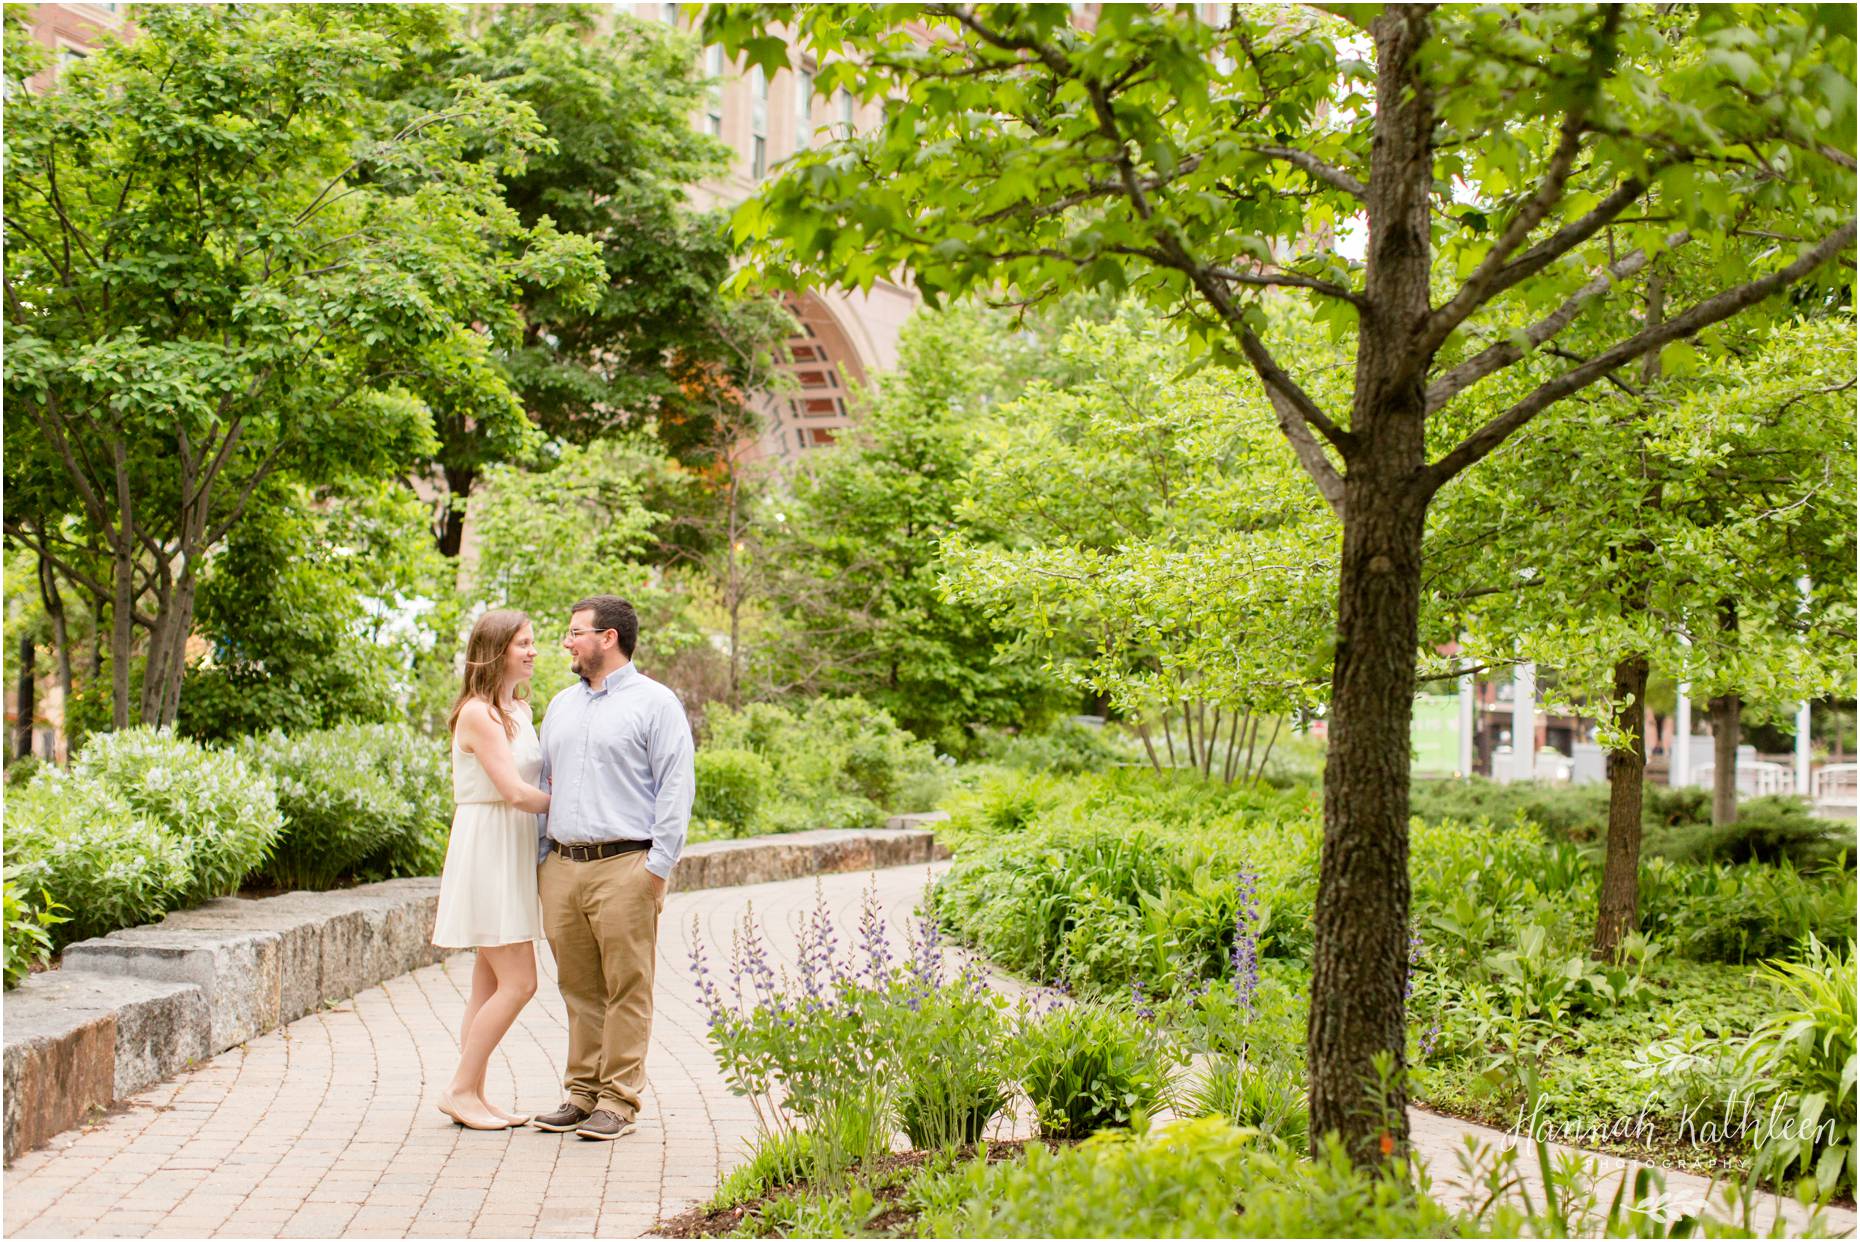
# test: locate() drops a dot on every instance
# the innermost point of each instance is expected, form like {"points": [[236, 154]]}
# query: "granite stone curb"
{"points": [[139, 1005], [793, 855]]}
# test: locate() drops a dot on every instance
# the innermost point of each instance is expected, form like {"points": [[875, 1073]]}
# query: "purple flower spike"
{"points": [[874, 941], [1246, 944], [708, 994]]}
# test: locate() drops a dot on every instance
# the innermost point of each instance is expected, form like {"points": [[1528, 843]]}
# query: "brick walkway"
{"points": [[327, 1127]]}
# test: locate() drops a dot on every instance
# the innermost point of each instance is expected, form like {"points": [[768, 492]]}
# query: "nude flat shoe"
{"points": [[445, 1106]]}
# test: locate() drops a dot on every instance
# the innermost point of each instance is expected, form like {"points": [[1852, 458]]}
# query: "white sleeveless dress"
{"points": [[487, 894]]}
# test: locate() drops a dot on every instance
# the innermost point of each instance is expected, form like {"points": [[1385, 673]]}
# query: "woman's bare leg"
{"points": [[483, 984], [513, 971]]}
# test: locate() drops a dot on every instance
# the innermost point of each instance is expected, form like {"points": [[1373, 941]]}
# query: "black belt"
{"points": [[597, 850]]}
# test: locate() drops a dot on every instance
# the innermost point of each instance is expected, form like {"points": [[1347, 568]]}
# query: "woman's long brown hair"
{"points": [[484, 665]]}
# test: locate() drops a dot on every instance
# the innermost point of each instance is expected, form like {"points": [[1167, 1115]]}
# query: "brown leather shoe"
{"points": [[562, 1119], [605, 1125]]}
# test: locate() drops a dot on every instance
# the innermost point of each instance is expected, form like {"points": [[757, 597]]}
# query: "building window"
{"points": [[713, 108], [758, 123], [816, 437], [820, 407], [803, 109], [670, 13], [846, 112]]}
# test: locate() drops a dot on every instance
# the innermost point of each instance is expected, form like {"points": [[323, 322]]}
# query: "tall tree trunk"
{"points": [[1619, 911], [1359, 957], [1726, 725], [122, 635], [99, 607], [1273, 737], [459, 482], [1360, 953], [28, 708], [167, 654], [61, 634], [1149, 748]]}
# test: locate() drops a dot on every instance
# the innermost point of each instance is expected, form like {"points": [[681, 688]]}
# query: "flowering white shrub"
{"points": [[74, 841], [223, 812], [357, 799]]}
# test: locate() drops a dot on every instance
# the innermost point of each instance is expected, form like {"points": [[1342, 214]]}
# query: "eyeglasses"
{"points": [[577, 631]]}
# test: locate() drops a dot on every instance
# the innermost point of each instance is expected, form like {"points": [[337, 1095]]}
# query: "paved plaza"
{"points": [[327, 1127]]}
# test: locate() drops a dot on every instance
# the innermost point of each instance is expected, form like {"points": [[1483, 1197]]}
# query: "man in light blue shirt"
{"points": [[617, 762]]}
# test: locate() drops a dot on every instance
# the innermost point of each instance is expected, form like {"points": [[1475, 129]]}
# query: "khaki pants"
{"points": [[602, 920]]}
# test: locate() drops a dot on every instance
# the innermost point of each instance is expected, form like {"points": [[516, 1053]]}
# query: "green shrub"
{"points": [[223, 812], [775, 1160], [836, 762], [1570, 812], [1089, 1067], [22, 769], [87, 849], [1065, 748], [335, 814], [948, 1052], [356, 799], [1265, 1095], [419, 767], [1714, 912], [1809, 1050], [1767, 830], [732, 786], [28, 928]]}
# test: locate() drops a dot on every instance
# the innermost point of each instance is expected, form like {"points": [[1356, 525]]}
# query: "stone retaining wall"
{"points": [[139, 1005]]}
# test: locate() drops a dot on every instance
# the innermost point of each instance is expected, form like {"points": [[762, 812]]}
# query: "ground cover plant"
{"points": [[1160, 893], [836, 1057]]}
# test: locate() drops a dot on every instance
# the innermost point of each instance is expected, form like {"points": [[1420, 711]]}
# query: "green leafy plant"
{"points": [[1089, 1067], [28, 928], [775, 1160], [1810, 1049], [1267, 1096], [834, 762], [732, 786], [948, 1053], [86, 848], [222, 811], [336, 811]]}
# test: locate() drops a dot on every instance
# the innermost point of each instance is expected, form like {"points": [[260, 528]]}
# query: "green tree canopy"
{"points": [[857, 608], [1154, 542], [662, 345], [222, 267]]}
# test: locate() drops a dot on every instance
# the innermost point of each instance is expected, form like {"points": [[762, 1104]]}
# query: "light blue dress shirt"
{"points": [[617, 766]]}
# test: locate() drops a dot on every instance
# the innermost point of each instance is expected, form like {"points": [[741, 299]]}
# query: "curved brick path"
{"points": [[327, 1127]]}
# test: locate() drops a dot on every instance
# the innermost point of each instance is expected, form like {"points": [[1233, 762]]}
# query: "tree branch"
{"points": [[1291, 280], [1316, 169], [1703, 315], [1497, 357]]}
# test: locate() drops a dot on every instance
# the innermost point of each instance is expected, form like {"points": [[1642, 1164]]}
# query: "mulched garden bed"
{"points": [[701, 1222]]}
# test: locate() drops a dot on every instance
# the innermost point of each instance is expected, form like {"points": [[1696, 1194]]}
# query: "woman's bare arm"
{"points": [[480, 734]]}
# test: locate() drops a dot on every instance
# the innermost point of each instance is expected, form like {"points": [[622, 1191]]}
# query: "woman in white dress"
{"points": [[487, 895]]}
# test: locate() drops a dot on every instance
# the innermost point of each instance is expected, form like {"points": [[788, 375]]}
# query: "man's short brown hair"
{"points": [[612, 613]]}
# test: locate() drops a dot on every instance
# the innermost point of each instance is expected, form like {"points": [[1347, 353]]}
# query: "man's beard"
{"points": [[574, 666]]}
